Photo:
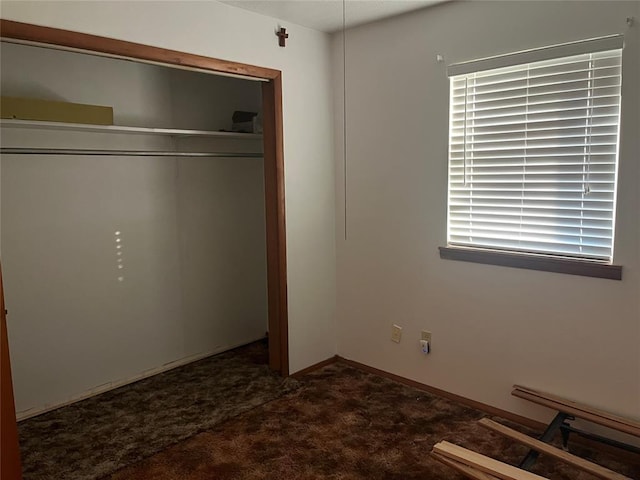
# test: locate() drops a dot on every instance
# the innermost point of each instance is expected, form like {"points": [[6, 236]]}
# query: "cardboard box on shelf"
{"points": [[53, 111]]}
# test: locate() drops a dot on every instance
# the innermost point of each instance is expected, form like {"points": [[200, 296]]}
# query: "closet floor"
{"points": [[94, 437]]}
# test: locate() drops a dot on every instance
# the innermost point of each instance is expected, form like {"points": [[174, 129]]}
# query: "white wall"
{"points": [[221, 31], [186, 274], [492, 326]]}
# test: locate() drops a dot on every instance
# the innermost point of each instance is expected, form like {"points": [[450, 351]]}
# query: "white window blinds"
{"points": [[533, 155]]}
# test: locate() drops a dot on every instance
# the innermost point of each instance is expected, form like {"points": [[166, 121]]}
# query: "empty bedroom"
{"points": [[303, 239]]}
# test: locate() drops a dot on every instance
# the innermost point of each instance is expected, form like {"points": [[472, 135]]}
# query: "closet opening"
{"points": [[149, 174]]}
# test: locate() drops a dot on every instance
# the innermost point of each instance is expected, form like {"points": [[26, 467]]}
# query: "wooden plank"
{"points": [[601, 417], [577, 405], [483, 463], [581, 463], [464, 469]]}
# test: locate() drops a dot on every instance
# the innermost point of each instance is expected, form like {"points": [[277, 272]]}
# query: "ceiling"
{"points": [[326, 15]]}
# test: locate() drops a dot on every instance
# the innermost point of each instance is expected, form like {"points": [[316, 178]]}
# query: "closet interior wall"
{"points": [[116, 267]]}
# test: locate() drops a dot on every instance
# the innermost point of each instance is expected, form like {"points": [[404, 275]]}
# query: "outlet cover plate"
{"points": [[396, 333], [426, 335]]}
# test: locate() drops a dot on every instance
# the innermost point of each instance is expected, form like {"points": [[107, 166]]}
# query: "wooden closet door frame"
{"points": [[10, 466], [272, 139]]}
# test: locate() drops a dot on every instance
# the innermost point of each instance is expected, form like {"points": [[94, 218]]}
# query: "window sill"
{"points": [[533, 262]]}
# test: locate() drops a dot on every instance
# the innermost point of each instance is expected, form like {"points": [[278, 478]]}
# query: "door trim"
{"points": [[10, 459]]}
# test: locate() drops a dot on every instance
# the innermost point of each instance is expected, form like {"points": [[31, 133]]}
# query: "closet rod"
{"points": [[122, 153]]}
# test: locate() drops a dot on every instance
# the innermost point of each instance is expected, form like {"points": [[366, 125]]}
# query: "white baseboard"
{"points": [[105, 387]]}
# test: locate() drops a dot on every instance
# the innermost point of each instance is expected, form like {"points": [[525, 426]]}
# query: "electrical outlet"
{"points": [[396, 333], [426, 335]]}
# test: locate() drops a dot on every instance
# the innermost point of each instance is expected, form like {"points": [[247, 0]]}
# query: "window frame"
{"points": [[522, 259]]}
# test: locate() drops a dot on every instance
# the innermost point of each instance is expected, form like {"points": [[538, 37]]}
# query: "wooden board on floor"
{"points": [[483, 463], [464, 469], [581, 463], [601, 417]]}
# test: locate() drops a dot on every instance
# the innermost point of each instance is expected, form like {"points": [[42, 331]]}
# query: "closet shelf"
{"points": [[124, 153], [80, 127]]}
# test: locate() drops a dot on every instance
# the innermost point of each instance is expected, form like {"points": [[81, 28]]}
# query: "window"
{"points": [[533, 152]]}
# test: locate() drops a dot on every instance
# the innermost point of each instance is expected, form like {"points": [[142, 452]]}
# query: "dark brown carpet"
{"points": [[95, 437], [343, 424]]}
